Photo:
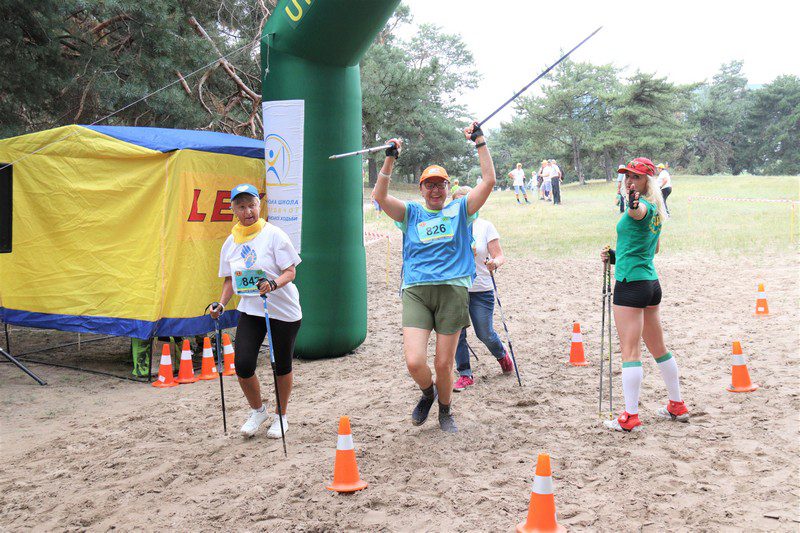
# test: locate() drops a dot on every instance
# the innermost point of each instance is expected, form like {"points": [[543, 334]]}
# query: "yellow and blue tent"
{"points": [[117, 230]]}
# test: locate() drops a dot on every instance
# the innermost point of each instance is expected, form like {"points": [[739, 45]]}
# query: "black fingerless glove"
{"points": [[392, 151], [477, 132], [612, 256], [633, 202]]}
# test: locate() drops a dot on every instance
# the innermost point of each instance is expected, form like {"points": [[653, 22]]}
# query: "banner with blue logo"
{"points": [[283, 155]]}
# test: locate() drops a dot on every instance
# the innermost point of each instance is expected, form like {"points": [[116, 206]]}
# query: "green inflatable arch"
{"points": [[310, 51]]}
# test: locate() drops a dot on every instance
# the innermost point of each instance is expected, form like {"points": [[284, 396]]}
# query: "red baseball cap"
{"points": [[640, 165]]}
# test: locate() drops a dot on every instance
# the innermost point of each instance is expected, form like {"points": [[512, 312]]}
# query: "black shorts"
{"points": [[639, 294], [250, 333]]}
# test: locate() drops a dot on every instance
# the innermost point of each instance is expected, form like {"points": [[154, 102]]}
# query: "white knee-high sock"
{"points": [[669, 371], [632, 385]]}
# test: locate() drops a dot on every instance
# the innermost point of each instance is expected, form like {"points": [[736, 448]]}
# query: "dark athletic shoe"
{"points": [[420, 413], [447, 423]]}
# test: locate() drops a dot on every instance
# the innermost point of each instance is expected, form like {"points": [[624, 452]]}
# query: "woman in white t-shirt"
{"points": [[518, 175], [486, 245], [259, 259], [665, 182]]}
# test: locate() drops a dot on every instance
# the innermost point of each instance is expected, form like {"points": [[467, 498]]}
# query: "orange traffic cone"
{"points": [[576, 357], [208, 370], [345, 470], [229, 369], [740, 377], [165, 378], [542, 509], [186, 370], [761, 301]]}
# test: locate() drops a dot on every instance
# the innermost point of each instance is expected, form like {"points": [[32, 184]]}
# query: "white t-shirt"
{"points": [[483, 232], [272, 251], [664, 175], [547, 172], [519, 177]]}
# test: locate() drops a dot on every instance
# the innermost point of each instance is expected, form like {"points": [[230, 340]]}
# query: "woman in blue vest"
{"points": [[438, 269]]}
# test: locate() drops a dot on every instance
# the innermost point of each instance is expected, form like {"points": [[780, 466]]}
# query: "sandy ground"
{"points": [[94, 453]]}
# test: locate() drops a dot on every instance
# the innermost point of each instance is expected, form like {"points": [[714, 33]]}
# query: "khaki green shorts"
{"points": [[443, 308]]}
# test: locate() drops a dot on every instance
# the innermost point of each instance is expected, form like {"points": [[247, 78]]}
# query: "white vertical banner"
{"points": [[283, 153]]}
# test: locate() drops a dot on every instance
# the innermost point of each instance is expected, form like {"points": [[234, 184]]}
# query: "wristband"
{"points": [[272, 284], [382, 175], [612, 256], [480, 144]]}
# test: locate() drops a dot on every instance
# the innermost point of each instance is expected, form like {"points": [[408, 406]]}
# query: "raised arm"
{"points": [[478, 196], [394, 207]]}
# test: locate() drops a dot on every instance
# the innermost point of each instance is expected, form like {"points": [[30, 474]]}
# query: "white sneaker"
{"points": [[254, 422], [274, 431]]}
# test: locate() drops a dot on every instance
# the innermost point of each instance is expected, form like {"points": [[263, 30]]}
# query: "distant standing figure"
{"points": [[620, 187], [547, 185], [556, 177], [665, 182], [540, 179], [518, 175]]}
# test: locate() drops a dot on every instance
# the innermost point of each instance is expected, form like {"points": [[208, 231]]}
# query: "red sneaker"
{"points": [[462, 383], [674, 411], [625, 422], [506, 364]]}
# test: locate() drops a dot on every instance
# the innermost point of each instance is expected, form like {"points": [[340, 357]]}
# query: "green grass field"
{"points": [[587, 217]]}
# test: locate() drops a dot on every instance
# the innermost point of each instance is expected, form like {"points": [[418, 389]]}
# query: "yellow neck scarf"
{"points": [[247, 233]]}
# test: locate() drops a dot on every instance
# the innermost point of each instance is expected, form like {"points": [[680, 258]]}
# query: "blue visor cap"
{"points": [[244, 188]]}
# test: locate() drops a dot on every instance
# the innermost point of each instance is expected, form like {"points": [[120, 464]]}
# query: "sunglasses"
{"points": [[442, 185]]}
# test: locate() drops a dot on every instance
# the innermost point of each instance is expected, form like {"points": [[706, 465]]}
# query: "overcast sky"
{"points": [[686, 41]]}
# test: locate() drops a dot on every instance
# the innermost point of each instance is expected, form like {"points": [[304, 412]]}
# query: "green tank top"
{"points": [[636, 245]]}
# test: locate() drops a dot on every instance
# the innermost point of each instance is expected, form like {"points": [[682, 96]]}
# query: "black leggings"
{"points": [[250, 335], [666, 192]]}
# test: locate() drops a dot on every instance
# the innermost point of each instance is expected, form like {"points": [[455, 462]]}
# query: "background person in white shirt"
{"points": [[556, 177], [620, 187], [258, 250], [481, 301], [665, 182], [518, 175], [547, 186]]}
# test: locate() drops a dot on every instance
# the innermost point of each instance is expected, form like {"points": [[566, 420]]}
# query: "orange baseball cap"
{"points": [[434, 171]]}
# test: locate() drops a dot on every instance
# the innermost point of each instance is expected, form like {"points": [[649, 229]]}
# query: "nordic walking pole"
{"points": [[503, 319], [472, 351], [537, 78], [602, 341], [610, 381], [218, 346], [274, 375], [364, 151]]}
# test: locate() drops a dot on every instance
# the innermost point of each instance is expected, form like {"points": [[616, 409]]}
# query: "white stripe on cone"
{"points": [[186, 355], [165, 360], [542, 485], [739, 360], [207, 352], [577, 337], [226, 349], [762, 295], [345, 442]]}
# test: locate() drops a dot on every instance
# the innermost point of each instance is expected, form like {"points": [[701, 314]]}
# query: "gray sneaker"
{"points": [[446, 421]]}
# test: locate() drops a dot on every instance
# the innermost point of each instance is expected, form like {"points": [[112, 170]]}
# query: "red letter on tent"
{"points": [[194, 216], [223, 201]]}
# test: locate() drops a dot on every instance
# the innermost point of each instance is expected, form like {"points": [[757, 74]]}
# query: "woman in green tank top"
{"points": [[637, 295]]}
